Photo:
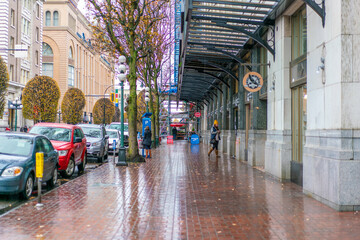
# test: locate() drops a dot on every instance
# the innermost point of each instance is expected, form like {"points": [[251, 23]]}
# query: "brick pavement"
{"points": [[179, 194]]}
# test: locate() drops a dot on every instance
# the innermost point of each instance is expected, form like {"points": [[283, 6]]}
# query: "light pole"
{"points": [[104, 102], [122, 76], [59, 113], [17, 104]]}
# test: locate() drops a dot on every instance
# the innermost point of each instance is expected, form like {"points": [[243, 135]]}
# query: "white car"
{"points": [[117, 126], [113, 135]]}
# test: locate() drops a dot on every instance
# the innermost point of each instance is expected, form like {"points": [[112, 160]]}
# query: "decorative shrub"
{"points": [[98, 111], [72, 106]]}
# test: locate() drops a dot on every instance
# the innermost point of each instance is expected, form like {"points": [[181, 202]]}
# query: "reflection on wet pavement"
{"points": [[178, 194]]}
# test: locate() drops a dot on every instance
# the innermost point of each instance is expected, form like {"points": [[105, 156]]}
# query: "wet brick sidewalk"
{"points": [[178, 194]]}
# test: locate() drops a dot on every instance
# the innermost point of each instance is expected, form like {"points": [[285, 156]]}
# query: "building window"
{"points": [[37, 10], [27, 4], [24, 76], [71, 55], [12, 45], [25, 27], [37, 34], [11, 73], [298, 34], [47, 50], [48, 69], [56, 18], [71, 77], [47, 18], [37, 58], [12, 18]]}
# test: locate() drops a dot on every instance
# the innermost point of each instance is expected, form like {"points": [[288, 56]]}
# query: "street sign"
{"points": [[197, 114], [21, 51], [253, 82]]}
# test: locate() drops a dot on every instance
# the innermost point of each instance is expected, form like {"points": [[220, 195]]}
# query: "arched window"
{"points": [[48, 61], [47, 18], [56, 18], [47, 50], [71, 55]]}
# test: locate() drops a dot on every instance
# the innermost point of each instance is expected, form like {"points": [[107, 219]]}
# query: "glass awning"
{"points": [[214, 33]]}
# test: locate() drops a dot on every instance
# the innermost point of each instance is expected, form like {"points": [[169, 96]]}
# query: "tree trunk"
{"points": [[157, 112], [133, 151], [153, 130]]}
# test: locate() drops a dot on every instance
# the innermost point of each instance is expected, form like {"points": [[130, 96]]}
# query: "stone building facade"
{"points": [[20, 24], [68, 55], [304, 125]]}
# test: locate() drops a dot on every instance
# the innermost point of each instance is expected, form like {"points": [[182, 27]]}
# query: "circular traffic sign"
{"points": [[197, 114]]}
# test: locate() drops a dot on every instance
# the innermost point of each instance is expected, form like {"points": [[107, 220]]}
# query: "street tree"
{"points": [[40, 99], [119, 27], [73, 105], [99, 114], [4, 83], [150, 67]]}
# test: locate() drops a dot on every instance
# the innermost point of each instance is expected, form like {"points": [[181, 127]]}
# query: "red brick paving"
{"points": [[179, 194]]}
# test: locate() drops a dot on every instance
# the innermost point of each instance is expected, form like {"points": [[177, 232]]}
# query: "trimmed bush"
{"points": [[72, 106], [40, 99], [98, 111], [4, 83]]}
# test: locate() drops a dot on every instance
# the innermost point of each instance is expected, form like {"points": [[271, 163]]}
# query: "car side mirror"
{"points": [[78, 140]]}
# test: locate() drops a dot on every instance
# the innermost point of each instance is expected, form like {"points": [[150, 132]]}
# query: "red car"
{"points": [[69, 141]]}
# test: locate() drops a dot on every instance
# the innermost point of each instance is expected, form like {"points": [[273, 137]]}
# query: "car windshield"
{"points": [[112, 134], [92, 132], [53, 133], [16, 145], [118, 127]]}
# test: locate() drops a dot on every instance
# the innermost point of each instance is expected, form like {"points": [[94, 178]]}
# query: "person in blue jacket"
{"points": [[215, 138]]}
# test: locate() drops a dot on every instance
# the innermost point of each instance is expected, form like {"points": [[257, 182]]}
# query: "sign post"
{"points": [[39, 174], [114, 147]]}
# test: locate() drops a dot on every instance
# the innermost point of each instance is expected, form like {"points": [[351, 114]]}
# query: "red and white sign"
{"points": [[197, 114]]}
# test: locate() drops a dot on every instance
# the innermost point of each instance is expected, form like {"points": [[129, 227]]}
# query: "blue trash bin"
{"points": [[195, 139]]}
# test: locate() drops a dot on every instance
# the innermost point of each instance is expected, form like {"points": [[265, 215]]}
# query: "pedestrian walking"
{"points": [[25, 129], [147, 142], [215, 138], [174, 132]]}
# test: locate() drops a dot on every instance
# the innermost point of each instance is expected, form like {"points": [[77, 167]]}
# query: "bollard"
{"points": [[39, 174]]}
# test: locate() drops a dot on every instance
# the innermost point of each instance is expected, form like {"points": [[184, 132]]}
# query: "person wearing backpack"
{"points": [[215, 138]]}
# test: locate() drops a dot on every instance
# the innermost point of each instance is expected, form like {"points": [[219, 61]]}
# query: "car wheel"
{"points": [[29, 187], [53, 181], [81, 166], [101, 159], [70, 168]]}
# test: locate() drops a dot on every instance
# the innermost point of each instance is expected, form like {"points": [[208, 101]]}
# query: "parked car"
{"points": [[113, 135], [117, 126], [17, 162], [97, 144], [69, 141]]}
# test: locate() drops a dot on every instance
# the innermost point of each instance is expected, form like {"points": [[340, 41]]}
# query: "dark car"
{"points": [[97, 141], [69, 141], [17, 162]]}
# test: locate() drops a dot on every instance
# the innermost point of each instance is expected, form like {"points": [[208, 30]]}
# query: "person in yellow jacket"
{"points": [[215, 138]]}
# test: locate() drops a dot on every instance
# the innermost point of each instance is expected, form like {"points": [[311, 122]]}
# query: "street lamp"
{"points": [[104, 102], [17, 104], [122, 77], [59, 113], [147, 98]]}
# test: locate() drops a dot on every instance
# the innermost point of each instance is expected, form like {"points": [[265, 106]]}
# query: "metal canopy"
{"points": [[214, 33]]}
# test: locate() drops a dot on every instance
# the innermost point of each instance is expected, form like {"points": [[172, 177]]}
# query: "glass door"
{"points": [[298, 126]]}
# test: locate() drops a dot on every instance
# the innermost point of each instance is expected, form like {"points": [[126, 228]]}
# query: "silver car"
{"points": [[117, 126], [97, 143], [114, 135]]}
